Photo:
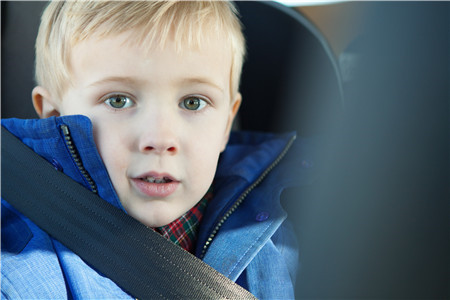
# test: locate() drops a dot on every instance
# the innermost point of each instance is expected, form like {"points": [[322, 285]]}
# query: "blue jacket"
{"points": [[243, 234]]}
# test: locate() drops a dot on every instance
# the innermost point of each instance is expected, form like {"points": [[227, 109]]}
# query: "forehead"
{"points": [[211, 44], [121, 56]]}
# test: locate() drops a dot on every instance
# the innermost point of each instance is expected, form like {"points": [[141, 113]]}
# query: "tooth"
{"points": [[150, 179]]}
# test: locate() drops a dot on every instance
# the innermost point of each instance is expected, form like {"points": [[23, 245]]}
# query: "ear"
{"points": [[43, 103], [233, 112]]}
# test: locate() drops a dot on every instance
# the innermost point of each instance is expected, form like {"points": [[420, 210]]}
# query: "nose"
{"points": [[159, 148], [158, 143], [158, 136]]}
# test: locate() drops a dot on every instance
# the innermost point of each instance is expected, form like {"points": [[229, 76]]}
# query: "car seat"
{"points": [[290, 79], [20, 23]]}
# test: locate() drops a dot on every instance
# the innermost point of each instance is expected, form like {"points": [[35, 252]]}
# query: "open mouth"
{"points": [[152, 179], [156, 185]]}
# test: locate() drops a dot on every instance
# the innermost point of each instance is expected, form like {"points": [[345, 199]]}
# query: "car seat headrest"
{"points": [[290, 79]]}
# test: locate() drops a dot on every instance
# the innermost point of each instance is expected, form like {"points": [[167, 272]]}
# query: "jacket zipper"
{"points": [[77, 159], [244, 195]]}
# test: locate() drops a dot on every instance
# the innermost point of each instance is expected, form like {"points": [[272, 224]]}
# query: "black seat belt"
{"points": [[136, 258]]}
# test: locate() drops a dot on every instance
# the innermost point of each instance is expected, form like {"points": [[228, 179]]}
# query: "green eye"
{"points": [[193, 103], [119, 102]]}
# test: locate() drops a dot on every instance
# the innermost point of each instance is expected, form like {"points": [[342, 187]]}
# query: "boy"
{"points": [[153, 87]]}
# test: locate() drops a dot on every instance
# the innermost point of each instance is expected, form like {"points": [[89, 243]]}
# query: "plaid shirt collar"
{"points": [[183, 231]]}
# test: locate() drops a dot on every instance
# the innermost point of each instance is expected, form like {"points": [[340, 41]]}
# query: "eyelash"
{"points": [[203, 103], [128, 101]]}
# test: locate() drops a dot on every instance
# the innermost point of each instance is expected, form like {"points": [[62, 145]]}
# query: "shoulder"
{"points": [[16, 234], [28, 259]]}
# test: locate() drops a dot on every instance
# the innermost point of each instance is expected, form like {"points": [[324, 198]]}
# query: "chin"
{"points": [[158, 221], [153, 215]]}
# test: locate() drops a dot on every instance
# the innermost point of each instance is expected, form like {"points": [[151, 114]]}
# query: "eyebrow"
{"points": [[112, 79], [202, 80], [135, 81]]}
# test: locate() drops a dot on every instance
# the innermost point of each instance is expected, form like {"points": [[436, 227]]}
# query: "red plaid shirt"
{"points": [[183, 231]]}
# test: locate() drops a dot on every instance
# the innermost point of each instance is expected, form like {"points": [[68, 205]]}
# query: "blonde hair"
{"points": [[66, 23]]}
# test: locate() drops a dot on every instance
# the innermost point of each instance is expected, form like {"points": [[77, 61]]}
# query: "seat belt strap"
{"points": [[136, 258]]}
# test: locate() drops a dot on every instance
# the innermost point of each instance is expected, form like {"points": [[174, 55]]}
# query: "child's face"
{"points": [[160, 118]]}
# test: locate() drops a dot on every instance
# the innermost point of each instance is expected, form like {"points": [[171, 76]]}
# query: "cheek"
{"points": [[111, 147], [203, 169], [205, 150]]}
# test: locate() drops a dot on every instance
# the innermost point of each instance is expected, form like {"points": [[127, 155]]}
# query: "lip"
{"points": [[157, 190]]}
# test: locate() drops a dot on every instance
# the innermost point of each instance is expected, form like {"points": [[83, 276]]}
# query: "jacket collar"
{"points": [[45, 137], [246, 157], [248, 154]]}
